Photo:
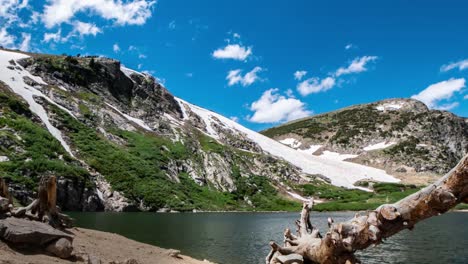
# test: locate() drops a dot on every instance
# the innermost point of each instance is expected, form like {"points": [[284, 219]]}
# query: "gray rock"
{"points": [[32, 233], [93, 260], [61, 248]]}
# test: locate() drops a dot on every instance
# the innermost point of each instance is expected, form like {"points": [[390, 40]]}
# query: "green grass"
{"points": [[342, 199], [32, 150]]}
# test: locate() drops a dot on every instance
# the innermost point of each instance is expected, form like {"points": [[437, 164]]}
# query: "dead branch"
{"points": [[44, 208], [343, 239]]}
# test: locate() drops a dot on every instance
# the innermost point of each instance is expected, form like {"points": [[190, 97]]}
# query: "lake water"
{"points": [[241, 238]]}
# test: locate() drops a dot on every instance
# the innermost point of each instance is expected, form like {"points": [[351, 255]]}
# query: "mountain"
{"points": [[118, 140], [401, 136]]}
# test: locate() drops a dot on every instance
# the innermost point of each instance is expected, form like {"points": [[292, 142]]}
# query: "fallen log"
{"points": [[340, 242]]}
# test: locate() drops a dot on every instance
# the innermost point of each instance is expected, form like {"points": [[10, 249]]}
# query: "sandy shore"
{"points": [[107, 247]]}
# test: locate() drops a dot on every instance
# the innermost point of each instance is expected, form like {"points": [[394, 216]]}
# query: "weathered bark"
{"points": [[343, 239], [44, 208], [4, 190]]}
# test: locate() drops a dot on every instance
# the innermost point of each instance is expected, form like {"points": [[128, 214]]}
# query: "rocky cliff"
{"points": [[402, 136]]}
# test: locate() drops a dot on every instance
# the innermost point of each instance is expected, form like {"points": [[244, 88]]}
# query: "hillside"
{"points": [[401, 136], [118, 140]]}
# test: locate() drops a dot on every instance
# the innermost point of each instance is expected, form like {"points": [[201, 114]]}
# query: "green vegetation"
{"points": [[31, 149], [341, 199], [138, 169]]}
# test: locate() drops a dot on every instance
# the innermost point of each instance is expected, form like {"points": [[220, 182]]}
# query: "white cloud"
{"points": [[84, 28], [461, 65], [172, 25], [349, 46], [9, 10], [116, 47], [315, 85], [235, 77], [236, 35], [134, 12], [299, 74], [132, 48], [6, 40], [465, 97], [142, 56], [272, 107], [356, 66], [56, 37], [233, 51], [437, 92], [25, 44], [448, 106], [139, 66], [234, 118]]}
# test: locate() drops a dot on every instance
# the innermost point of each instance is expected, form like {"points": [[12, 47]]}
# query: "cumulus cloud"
{"points": [[56, 37], [116, 47], [235, 77], [298, 75], [134, 12], [461, 65], [6, 40], [315, 85], [233, 51], [9, 10], [356, 66], [437, 92], [25, 44], [272, 107], [83, 28]]}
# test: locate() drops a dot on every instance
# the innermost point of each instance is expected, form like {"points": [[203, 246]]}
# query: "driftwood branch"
{"points": [[343, 239]]}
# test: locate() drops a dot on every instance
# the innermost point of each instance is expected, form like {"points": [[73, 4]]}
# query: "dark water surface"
{"points": [[242, 238]]}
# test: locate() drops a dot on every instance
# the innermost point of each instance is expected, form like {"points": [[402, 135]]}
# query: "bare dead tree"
{"points": [[44, 208], [4, 190], [342, 240]]}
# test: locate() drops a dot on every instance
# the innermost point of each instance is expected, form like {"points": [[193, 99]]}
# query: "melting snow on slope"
{"points": [[341, 173], [128, 72], [298, 197], [132, 119], [14, 79], [293, 143], [336, 156], [380, 145], [390, 106], [311, 149]]}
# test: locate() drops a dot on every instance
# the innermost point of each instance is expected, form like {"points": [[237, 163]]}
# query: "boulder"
{"points": [[35, 234], [61, 248]]}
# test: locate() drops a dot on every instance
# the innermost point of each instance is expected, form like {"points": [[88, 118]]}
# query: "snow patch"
{"points": [[135, 120], [336, 156], [128, 72], [390, 106], [292, 142], [14, 79], [311, 149], [298, 197], [380, 145], [341, 173]]}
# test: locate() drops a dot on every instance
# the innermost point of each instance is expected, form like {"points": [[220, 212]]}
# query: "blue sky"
{"points": [[264, 62]]}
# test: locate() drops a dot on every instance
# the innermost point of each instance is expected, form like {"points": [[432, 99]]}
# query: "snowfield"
{"points": [[332, 166], [381, 145], [14, 79], [293, 143]]}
